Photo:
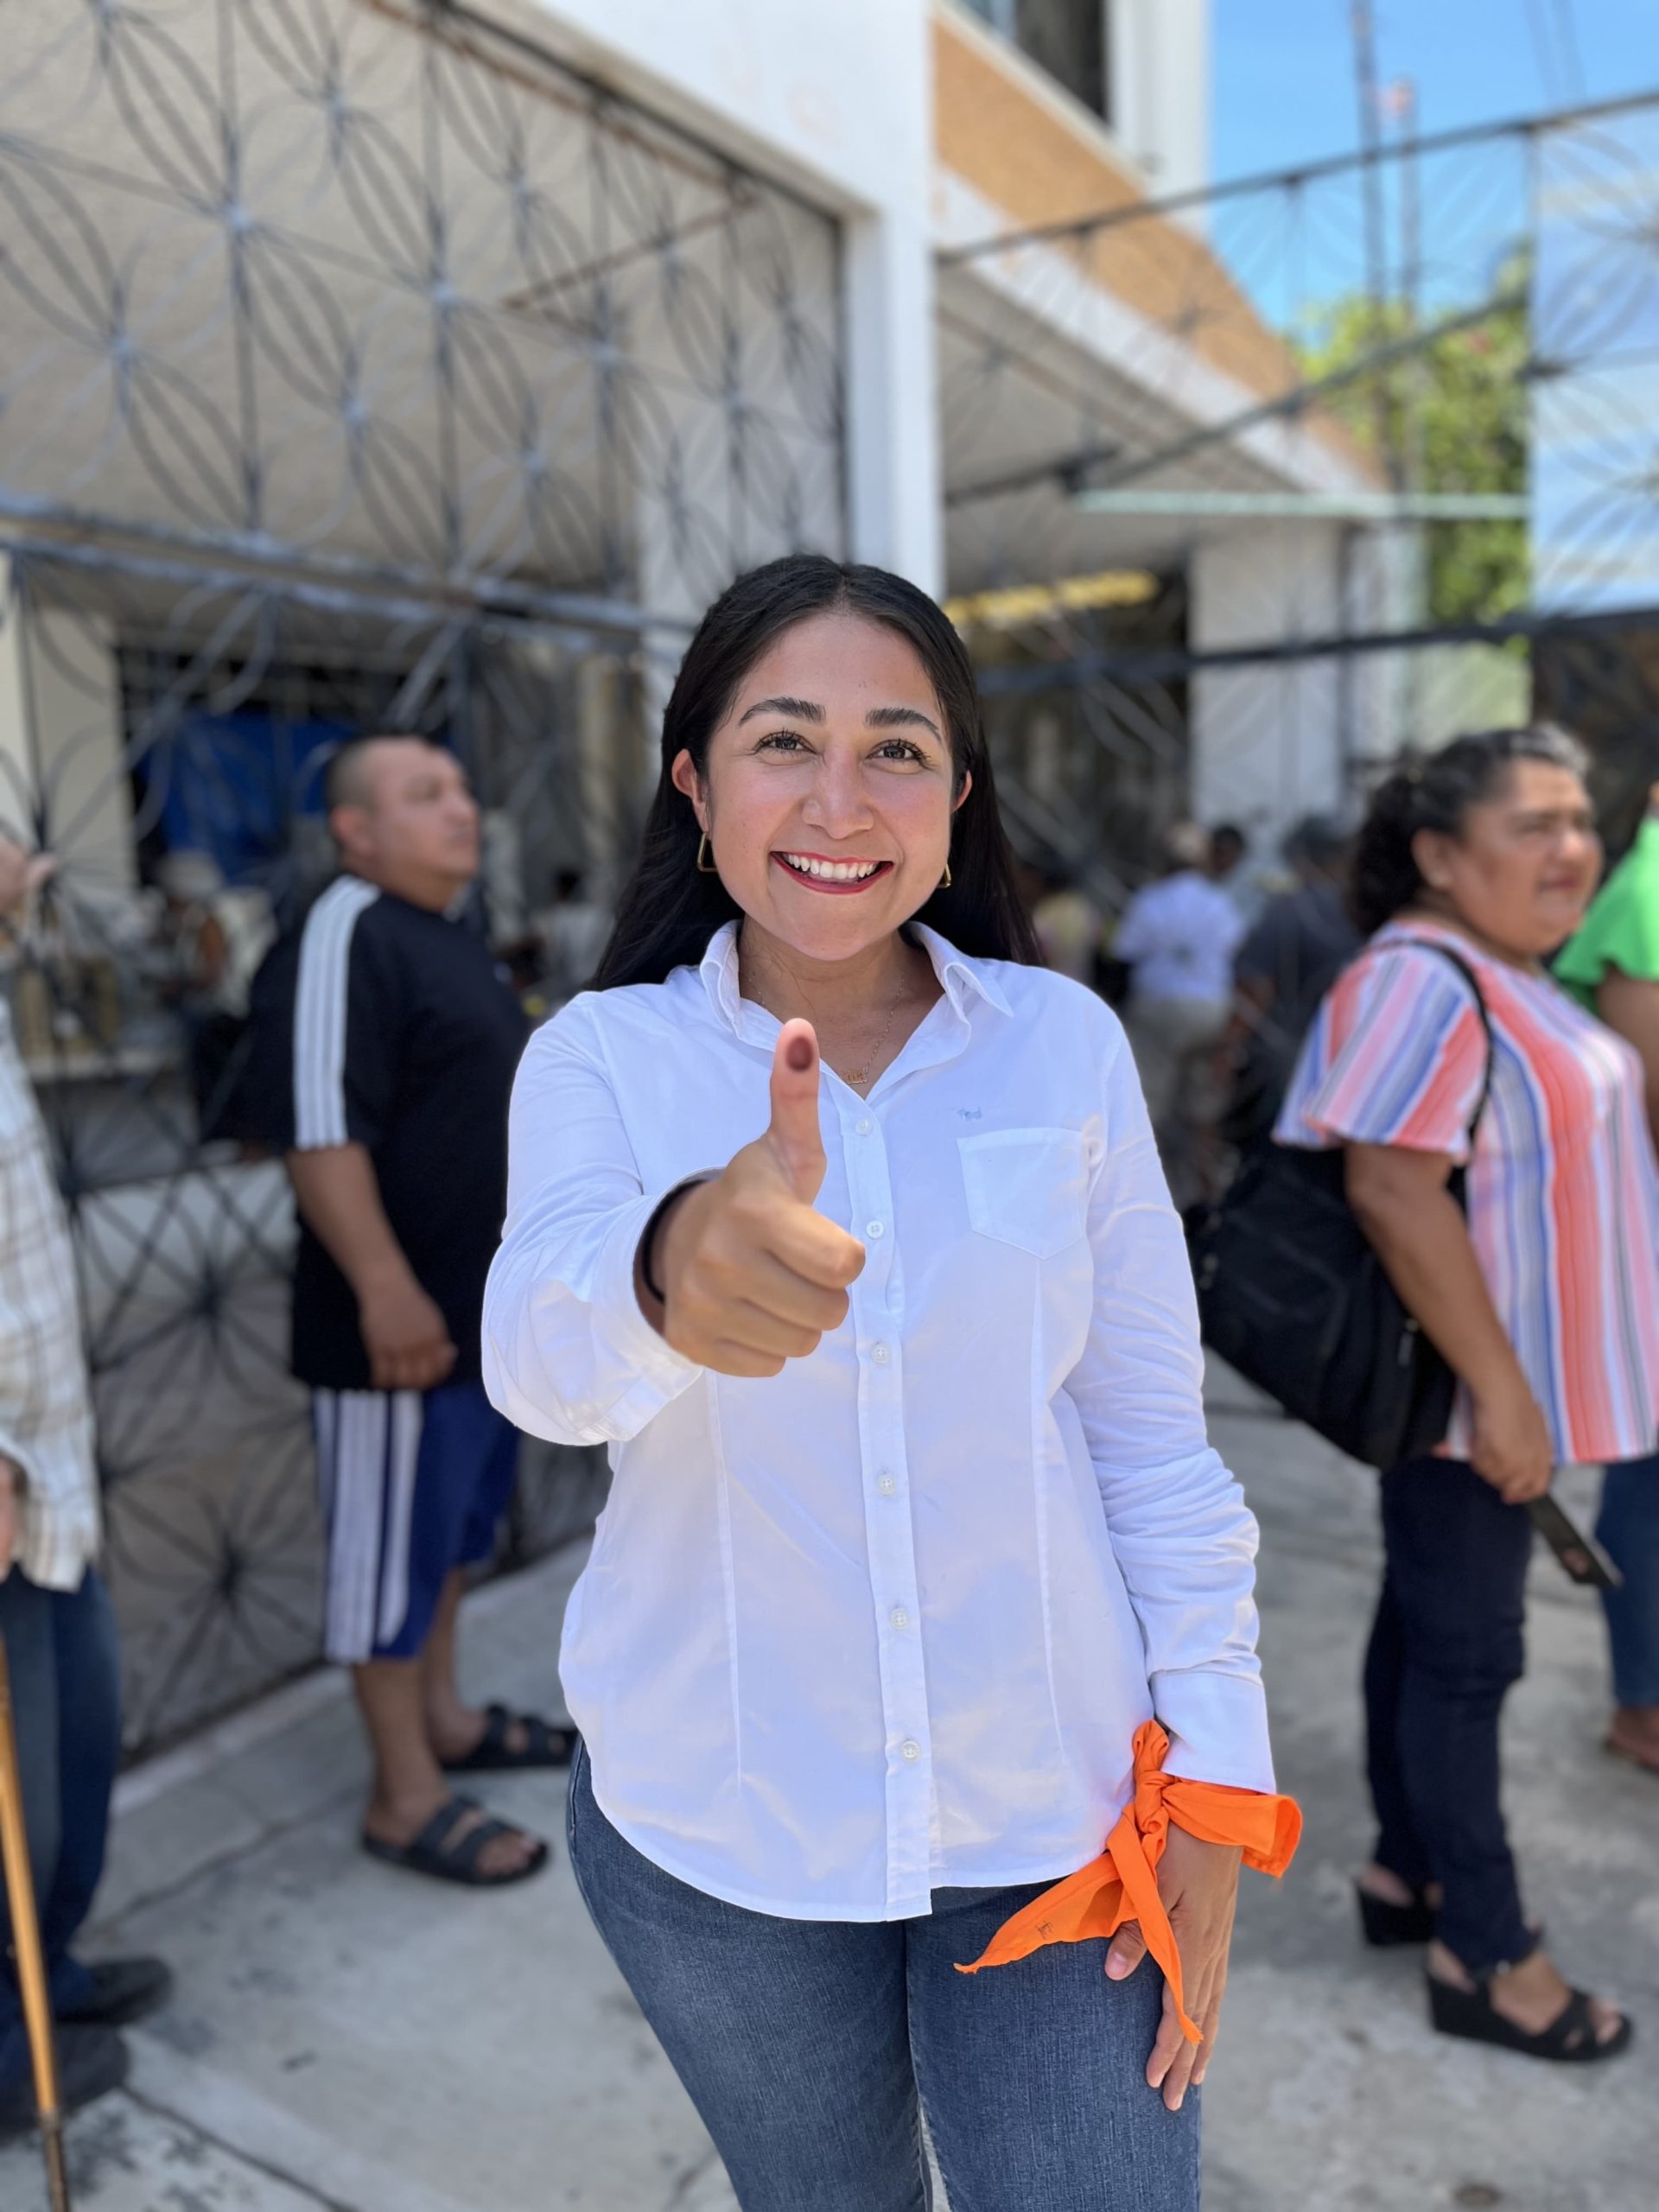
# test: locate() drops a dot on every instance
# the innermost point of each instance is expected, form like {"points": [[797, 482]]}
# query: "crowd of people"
{"points": [[838, 1207]]}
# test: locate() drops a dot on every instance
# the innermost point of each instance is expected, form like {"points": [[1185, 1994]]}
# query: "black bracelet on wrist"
{"points": [[648, 1241]]}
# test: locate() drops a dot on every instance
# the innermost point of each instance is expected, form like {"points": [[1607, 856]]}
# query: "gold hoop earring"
{"points": [[705, 866], [945, 880]]}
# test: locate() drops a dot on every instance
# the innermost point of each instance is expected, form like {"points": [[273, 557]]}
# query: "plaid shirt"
{"points": [[46, 1419]]}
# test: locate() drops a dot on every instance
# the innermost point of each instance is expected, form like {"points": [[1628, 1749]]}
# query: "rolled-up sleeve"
{"points": [[568, 1354], [1184, 1538]]}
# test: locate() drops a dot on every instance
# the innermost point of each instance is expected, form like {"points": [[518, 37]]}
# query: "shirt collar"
{"points": [[961, 979], [718, 969]]}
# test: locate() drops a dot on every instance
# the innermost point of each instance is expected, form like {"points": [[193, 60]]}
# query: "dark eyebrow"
{"points": [[799, 710], [901, 718]]}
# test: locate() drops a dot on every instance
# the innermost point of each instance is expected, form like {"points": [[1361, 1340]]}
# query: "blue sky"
{"points": [[1284, 86]]}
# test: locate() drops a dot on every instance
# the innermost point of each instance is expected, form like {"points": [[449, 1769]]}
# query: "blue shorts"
{"points": [[412, 1487]]}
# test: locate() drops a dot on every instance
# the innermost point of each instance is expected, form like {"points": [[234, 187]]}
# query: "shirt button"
{"points": [[886, 1484], [873, 1229], [864, 1127], [900, 1618], [910, 1751], [879, 1354]]}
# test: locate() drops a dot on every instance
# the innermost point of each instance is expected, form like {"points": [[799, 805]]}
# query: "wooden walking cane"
{"points": [[26, 1941]]}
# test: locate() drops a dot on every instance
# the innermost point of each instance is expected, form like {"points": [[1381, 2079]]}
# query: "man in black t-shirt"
{"points": [[385, 1045]]}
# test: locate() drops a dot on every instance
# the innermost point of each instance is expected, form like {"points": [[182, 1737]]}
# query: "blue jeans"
{"points": [[1628, 1530], [65, 1691], [812, 2047], [1447, 1646]]}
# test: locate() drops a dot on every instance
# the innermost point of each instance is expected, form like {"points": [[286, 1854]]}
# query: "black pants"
{"points": [[65, 1687], [1447, 1646]]}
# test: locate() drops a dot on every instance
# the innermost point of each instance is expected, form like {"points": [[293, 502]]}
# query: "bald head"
{"points": [[351, 777], [402, 816]]}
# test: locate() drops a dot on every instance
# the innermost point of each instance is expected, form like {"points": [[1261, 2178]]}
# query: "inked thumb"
{"points": [[794, 1131]]}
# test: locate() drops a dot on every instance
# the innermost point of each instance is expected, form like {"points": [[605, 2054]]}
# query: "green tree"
{"points": [[1452, 417]]}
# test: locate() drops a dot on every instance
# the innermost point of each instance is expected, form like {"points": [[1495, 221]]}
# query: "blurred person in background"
{"points": [[1178, 938], [214, 939], [1070, 927], [1250, 884], [1300, 943], [386, 1043], [1544, 1300], [1612, 967], [1228, 852], [55, 1617]]}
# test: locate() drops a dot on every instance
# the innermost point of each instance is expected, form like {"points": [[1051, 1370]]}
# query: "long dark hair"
{"points": [[669, 911], [1436, 793]]}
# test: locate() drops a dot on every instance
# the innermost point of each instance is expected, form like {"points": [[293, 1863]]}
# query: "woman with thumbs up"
{"points": [[840, 1221]]}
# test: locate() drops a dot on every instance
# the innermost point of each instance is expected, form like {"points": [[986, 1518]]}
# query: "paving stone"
{"points": [[124, 2159]]}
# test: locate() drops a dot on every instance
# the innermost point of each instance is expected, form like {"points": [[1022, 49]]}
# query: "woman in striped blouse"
{"points": [[1544, 1299]]}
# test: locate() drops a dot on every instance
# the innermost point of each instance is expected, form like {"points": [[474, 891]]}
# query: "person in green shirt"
{"points": [[1612, 967]]}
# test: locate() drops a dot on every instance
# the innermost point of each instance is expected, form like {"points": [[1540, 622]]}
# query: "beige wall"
{"points": [[62, 772], [1041, 159]]}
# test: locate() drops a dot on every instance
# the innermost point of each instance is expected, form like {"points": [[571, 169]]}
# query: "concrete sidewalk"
{"points": [[343, 2036]]}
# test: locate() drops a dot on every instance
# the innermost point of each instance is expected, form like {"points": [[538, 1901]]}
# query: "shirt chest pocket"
{"points": [[1026, 1187]]}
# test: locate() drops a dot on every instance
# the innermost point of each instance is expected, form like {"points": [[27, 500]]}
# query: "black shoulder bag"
{"points": [[1293, 1296]]}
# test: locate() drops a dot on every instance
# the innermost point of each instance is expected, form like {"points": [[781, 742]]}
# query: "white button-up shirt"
{"points": [[886, 1622]]}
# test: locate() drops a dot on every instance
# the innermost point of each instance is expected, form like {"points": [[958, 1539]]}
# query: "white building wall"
{"points": [[1159, 74], [837, 102], [1270, 742]]}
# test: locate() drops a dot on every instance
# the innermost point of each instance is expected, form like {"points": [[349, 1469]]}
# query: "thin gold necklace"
{"points": [[858, 1076]]}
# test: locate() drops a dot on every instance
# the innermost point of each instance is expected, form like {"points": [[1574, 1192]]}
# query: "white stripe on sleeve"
{"points": [[320, 1004]]}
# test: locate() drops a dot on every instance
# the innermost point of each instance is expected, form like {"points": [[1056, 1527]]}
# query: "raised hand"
{"points": [[752, 1274]]}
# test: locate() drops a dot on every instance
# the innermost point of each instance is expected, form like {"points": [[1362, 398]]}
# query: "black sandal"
{"points": [[438, 1850], [543, 1746], [1570, 2039], [1386, 1925]]}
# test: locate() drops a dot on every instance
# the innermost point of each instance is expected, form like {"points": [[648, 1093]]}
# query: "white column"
{"points": [[1159, 89], [895, 513], [60, 742], [1268, 742]]}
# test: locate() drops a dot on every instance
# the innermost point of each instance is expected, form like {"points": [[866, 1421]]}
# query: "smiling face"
{"points": [[829, 786], [1524, 865]]}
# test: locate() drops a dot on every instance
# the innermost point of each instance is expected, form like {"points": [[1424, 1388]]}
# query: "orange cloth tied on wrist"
{"points": [[1123, 1884]]}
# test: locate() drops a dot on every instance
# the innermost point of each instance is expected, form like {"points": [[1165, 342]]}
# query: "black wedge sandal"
{"points": [[1570, 2039], [1387, 1926]]}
